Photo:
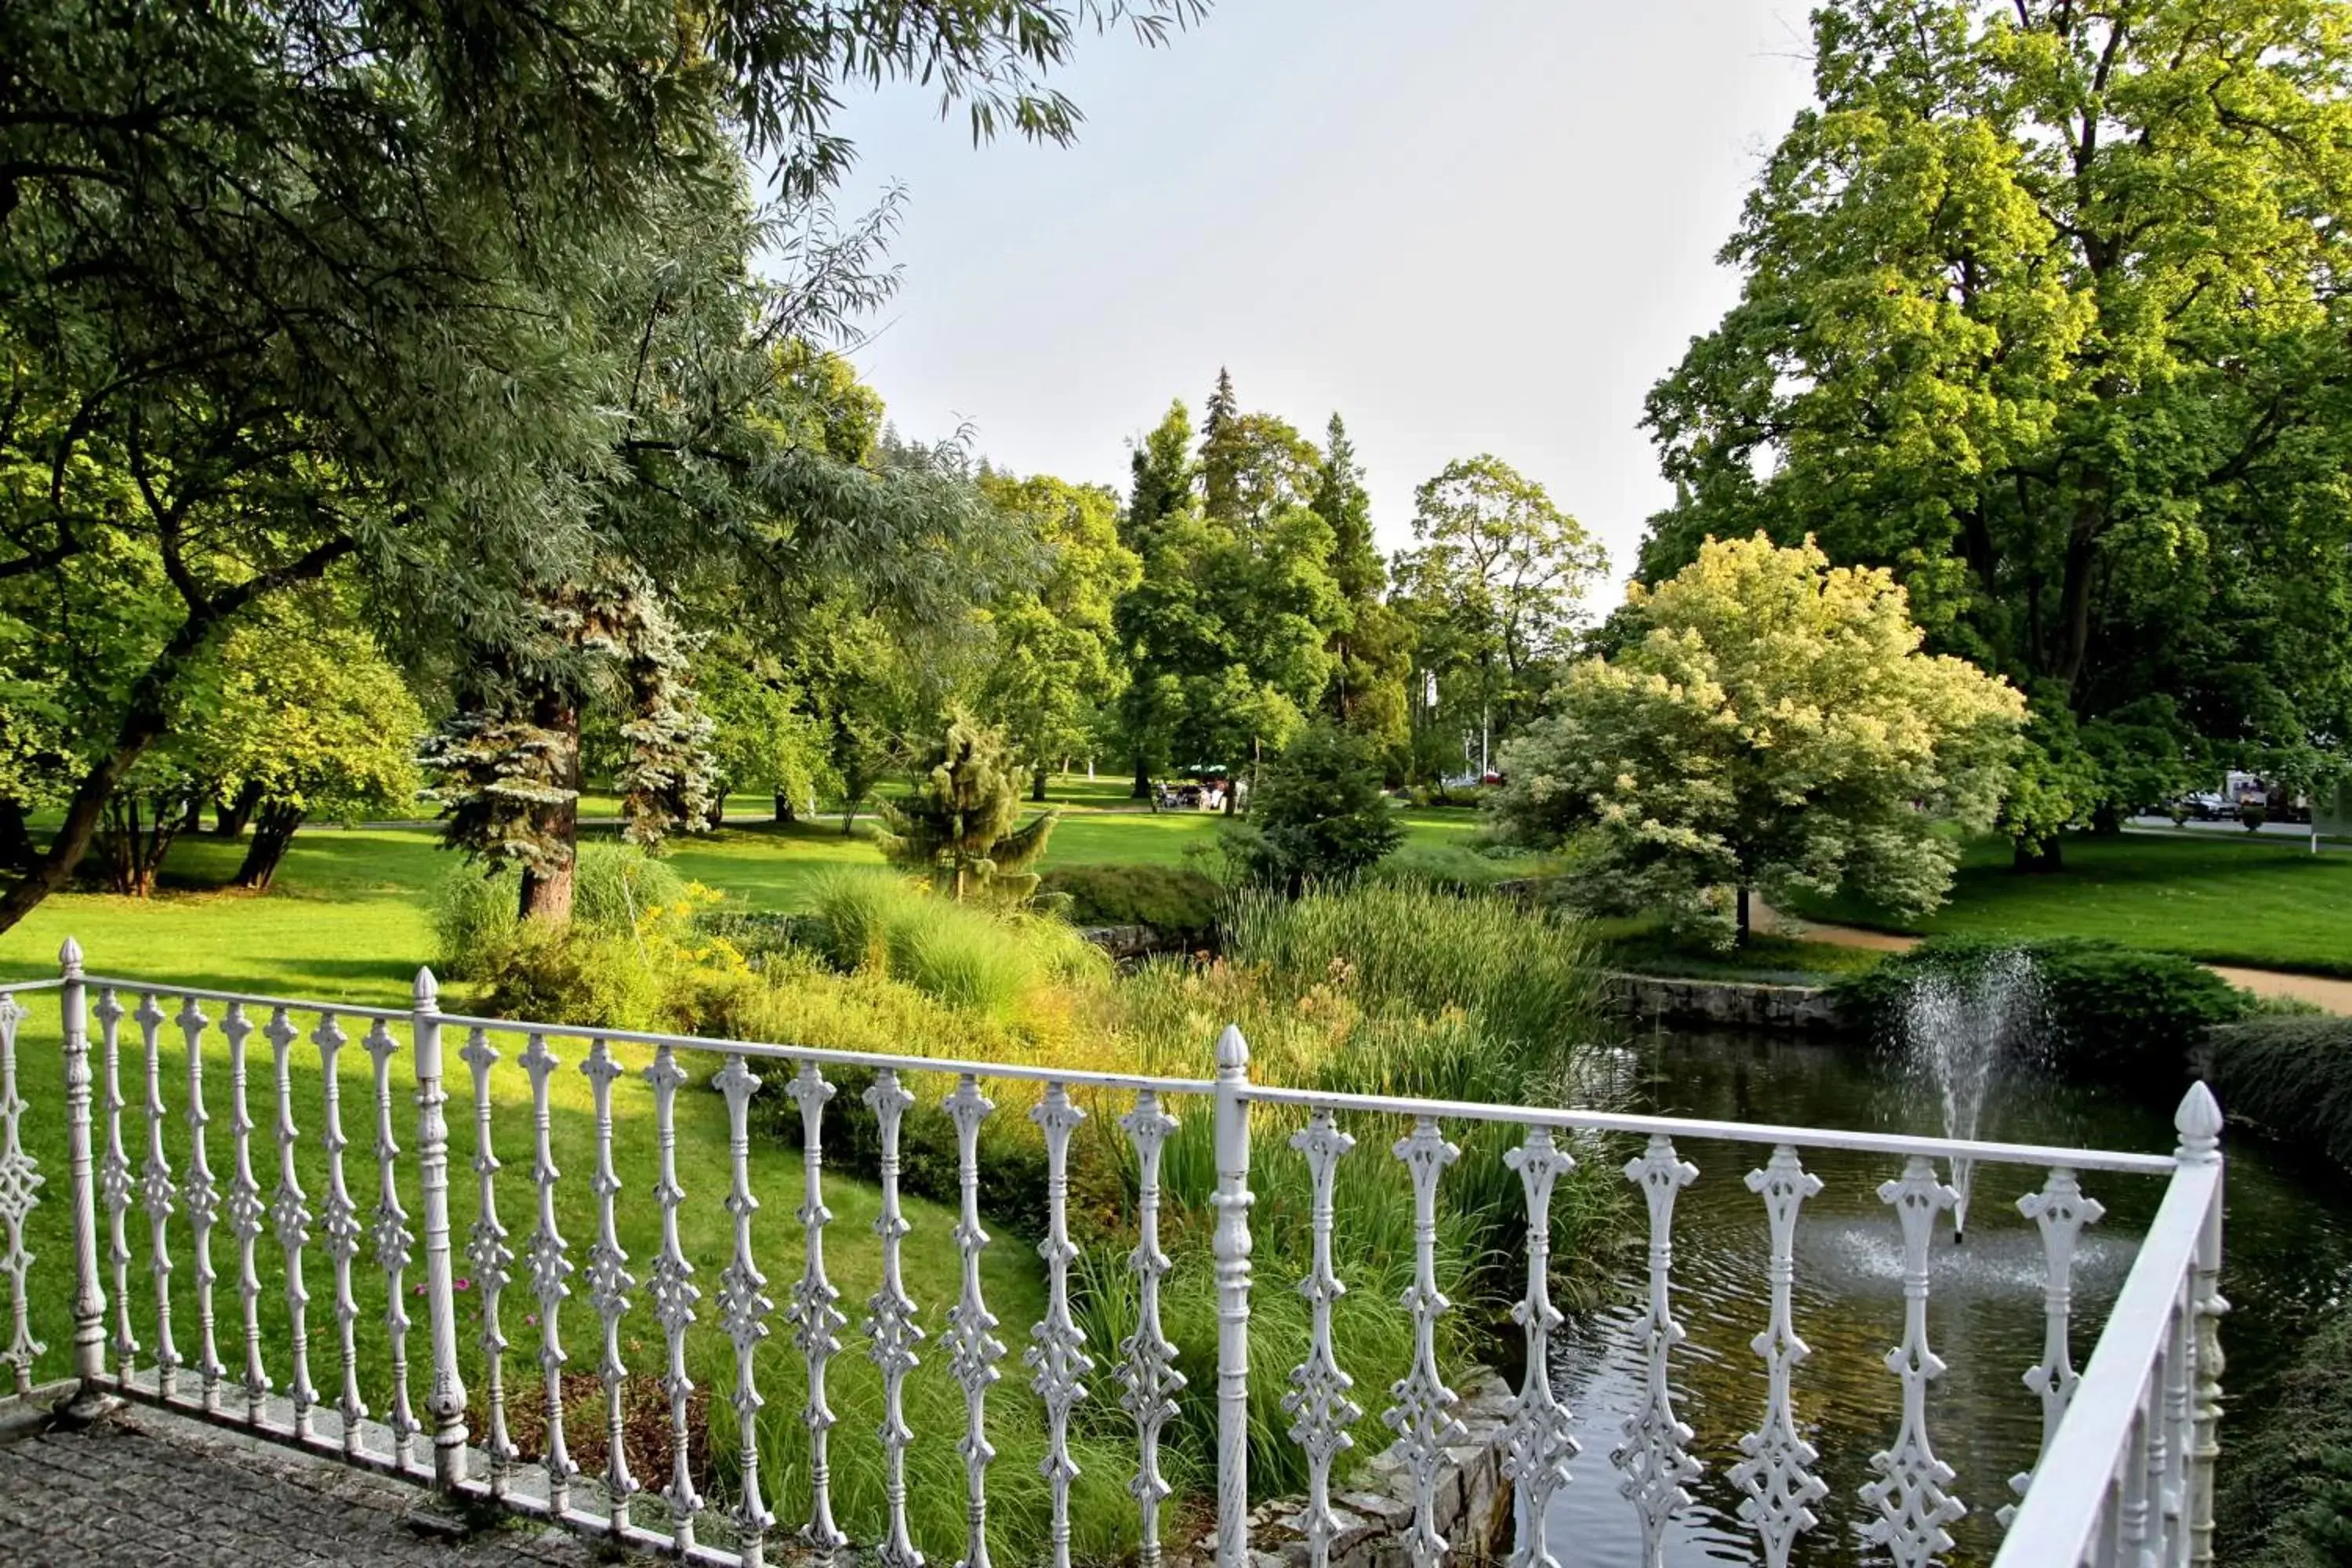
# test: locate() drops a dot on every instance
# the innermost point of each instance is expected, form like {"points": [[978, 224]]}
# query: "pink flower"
{"points": [[464, 1283], [531, 1320], [416, 1290]]}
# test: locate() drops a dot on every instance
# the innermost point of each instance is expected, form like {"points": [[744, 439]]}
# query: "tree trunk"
{"points": [[231, 819], [1142, 790], [191, 815], [17, 851], [1740, 939], [2042, 858], [1037, 786], [547, 895], [849, 814], [785, 815], [716, 817], [273, 833]]}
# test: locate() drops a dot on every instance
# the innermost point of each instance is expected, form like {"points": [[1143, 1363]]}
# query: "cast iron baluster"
{"points": [[1147, 1374], [1058, 1357], [969, 1342], [200, 1196], [743, 1309], [1777, 1474], [245, 1213], [550, 1270], [338, 1225], [890, 1323], [20, 1186], [156, 1191], [815, 1321], [609, 1284], [89, 1398], [289, 1219], [114, 1183], [1423, 1413], [1317, 1402], [1656, 1454], [1541, 1440], [1910, 1494], [2060, 1211], [493, 1263], [392, 1242], [675, 1294]]}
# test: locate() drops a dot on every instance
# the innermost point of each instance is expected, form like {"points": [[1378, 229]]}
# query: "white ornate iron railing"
{"points": [[2128, 1446]]}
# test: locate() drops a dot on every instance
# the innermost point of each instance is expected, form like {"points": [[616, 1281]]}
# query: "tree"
{"points": [[1226, 629], [763, 737], [1319, 815], [1497, 584], [510, 759], [461, 296], [308, 718], [1369, 646], [2041, 312], [957, 826], [1772, 725], [1054, 667], [1149, 622]]}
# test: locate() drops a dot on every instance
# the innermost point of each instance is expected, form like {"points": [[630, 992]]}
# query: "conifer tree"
{"points": [[959, 827], [1221, 453]]}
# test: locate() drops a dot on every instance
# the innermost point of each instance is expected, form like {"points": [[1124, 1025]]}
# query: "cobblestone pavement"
{"points": [[162, 1492]]}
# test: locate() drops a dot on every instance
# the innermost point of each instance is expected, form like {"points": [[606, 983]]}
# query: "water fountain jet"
{"points": [[1958, 1027]]}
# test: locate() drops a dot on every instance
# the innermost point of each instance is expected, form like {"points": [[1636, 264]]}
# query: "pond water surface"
{"points": [[2288, 1259]]}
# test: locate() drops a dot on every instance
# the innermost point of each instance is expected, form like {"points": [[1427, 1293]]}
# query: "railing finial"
{"points": [[69, 958], [428, 990], [2199, 1120], [1232, 1050]]}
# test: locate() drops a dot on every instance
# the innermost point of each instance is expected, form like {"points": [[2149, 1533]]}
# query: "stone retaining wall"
{"points": [[1733, 1004]]}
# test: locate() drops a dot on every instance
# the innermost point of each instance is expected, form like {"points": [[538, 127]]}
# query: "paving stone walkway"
{"points": [[147, 1488]]}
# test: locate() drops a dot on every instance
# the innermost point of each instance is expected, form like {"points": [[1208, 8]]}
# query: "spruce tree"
{"points": [[1369, 646], [1221, 453]]}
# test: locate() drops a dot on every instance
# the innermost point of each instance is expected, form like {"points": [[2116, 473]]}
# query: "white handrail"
{"points": [[1737, 1131]]}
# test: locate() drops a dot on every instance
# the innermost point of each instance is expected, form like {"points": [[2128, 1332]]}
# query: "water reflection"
{"points": [[2290, 1257]]}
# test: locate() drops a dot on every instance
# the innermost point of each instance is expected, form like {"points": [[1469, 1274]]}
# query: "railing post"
{"points": [[1233, 1256], [445, 1403], [89, 1397], [2200, 1124]]}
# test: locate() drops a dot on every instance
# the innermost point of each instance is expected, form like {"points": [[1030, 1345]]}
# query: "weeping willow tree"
{"points": [[958, 828]]}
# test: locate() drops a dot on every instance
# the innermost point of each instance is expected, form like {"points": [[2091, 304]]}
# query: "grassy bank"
{"points": [[2260, 901]]}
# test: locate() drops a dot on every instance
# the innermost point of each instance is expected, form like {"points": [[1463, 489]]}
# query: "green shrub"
{"points": [[2289, 1075], [2283, 1500], [1320, 814], [568, 975], [2115, 1015], [1179, 901]]}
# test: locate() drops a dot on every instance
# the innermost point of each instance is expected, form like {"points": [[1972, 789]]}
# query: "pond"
{"points": [[2288, 1259]]}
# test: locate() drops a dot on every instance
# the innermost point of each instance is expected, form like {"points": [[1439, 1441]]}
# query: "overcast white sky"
{"points": [[1477, 226]]}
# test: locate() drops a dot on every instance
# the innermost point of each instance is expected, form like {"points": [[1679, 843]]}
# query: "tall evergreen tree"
{"points": [[1161, 492], [1221, 453], [1370, 648]]}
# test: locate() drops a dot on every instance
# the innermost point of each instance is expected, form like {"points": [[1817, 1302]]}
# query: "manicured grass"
{"points": [[2252, 900]]}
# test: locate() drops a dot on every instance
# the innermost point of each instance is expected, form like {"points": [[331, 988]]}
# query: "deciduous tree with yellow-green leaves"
{"points": [[1769, 723]]}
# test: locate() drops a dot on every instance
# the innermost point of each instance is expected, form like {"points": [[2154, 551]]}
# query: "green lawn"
{"points": [[2262, 901]]}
